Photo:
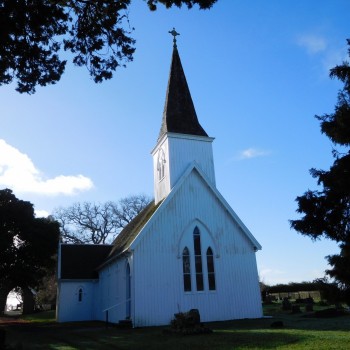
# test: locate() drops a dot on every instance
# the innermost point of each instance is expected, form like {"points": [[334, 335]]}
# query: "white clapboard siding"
{"points": [[73, 309], [157, 264], [180, 150], [112, 292]]}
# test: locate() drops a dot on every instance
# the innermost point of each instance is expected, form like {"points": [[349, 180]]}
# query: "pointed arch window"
{"points": [[198, 258], [211, 270], [161, 164], [186, 266]]}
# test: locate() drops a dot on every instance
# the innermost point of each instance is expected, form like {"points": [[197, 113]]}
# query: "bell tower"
{"points": [[182, 140]]}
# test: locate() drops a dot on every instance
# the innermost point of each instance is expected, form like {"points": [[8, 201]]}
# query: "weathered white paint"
{"points": [[179, 151], [69, 308], [155, 260], [112, 291], [158, 265], [184, 183]]}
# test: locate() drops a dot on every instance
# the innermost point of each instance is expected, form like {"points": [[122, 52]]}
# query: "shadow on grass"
{"points": [[94, 336], [298, 332]]}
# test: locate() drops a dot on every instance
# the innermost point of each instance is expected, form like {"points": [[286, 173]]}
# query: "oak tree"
{"points": [[98, 223], [28, 246]]}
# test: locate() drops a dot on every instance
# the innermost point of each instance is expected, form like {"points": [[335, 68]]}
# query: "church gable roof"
{"points": [[179, 115], [193, 167], [124, 239], [80, 261]]}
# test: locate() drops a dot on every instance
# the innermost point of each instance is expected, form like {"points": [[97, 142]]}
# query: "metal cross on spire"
{"points": [[174, 33]]}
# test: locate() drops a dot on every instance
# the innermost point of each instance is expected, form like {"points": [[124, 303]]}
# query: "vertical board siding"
{"points": [[112, 292], [180, 151], [183, 151], [72, 309], [158, 266]]}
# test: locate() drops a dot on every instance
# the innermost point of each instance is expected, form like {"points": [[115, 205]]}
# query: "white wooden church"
{"points": [[186, 250]]}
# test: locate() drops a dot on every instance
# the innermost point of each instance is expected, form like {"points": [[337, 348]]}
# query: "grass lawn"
{"points": [[299, 332]]}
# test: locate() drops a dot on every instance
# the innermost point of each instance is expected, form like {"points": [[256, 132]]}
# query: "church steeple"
{"points": [[179, 115], [182, 142]]}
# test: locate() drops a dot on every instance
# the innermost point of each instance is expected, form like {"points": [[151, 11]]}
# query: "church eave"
{"points": [[123, 242]]}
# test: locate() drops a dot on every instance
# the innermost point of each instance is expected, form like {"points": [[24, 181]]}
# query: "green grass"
{"points": [[40, 317], [299, 332]]}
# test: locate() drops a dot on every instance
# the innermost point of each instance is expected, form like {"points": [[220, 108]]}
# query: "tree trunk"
{"points": [[3, 298], [5, 289], [28, 301]]}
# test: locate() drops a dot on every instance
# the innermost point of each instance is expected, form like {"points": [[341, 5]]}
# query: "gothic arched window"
{"points": [[161, 164], [186, 266], [198, 258], [211, 270]]}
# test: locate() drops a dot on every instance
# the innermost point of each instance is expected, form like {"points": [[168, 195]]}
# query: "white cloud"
{"points": [[331, 54], [18, 173], [335, 57], [273, 276], [252, 153], [41, 213], [312, 43]]}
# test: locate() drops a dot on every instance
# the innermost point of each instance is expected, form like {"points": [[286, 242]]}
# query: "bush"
{"points": [[286, 304], [188, 323]]}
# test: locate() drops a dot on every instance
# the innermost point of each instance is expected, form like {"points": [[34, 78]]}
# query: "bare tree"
{"points": [[127, 208], [98, 223]]}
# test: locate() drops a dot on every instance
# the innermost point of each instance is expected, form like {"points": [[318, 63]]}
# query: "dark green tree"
{"points": [[97, 32], [326, 212], [28, 246]]}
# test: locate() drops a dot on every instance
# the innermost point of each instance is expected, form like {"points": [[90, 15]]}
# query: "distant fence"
{"points": [[316, 295]]}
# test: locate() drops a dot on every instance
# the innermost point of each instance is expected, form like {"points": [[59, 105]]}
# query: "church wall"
{"points": [[158, 271], [78, 296], [111, 292], [161, 185], [180, 151]]}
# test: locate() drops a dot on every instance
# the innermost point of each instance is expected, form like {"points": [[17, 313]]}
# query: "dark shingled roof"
{"points": [[80, 261], [179, 114], [132, 229]]}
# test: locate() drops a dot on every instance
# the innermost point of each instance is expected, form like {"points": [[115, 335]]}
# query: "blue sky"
{"points": [[258, 73]]}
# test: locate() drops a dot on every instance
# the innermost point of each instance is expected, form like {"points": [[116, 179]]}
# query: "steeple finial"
{"points": [[174, 33]]}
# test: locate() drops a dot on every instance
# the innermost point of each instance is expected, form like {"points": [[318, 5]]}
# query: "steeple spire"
{"points": [[179, 115]]}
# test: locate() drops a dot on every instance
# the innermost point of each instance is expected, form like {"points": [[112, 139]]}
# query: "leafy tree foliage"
{"points": [[47, 291], [97, 223], [326, 212], [97, 32], [27, 245]]}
